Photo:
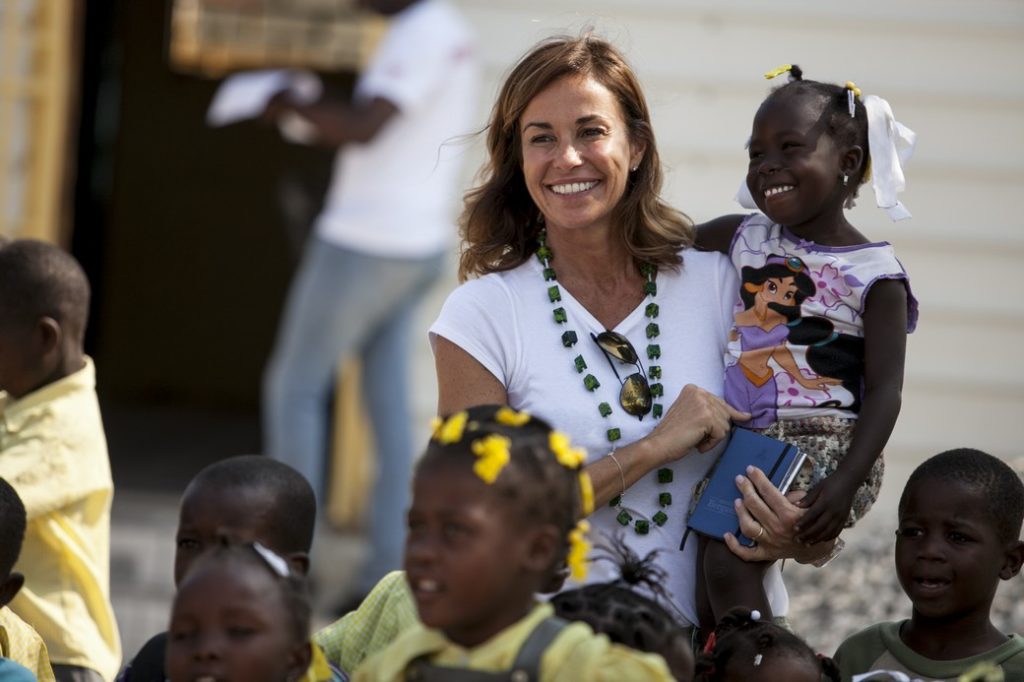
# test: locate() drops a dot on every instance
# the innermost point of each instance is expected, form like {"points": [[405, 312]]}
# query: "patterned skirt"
{"points": [[826, 440]]}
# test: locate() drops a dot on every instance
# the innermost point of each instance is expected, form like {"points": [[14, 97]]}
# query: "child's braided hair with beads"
{"points": [[528, 463], [619, 610], [742, 639], [846, 130]]}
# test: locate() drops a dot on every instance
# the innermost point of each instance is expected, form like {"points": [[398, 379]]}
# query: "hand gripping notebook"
{"points": [[713, 514]]}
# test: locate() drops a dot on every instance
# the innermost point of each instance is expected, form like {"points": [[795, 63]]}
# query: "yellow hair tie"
{"points": [[586, 494], [568, 456], [852, 87], [579, 548], [774, 73], [493, 453], [509, 417], [450, 431]]}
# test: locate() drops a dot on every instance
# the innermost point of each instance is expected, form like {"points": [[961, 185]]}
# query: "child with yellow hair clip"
{"points": [[497, 499], [821, 316]]}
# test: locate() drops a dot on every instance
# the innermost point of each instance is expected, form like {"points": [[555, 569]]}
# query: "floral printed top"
{"points": [[796, 349]]}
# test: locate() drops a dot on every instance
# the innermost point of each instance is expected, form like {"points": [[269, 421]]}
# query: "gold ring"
{"points": [[759, 534]]}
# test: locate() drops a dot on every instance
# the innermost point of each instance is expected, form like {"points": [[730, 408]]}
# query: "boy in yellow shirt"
{"points": [[53, 451]]}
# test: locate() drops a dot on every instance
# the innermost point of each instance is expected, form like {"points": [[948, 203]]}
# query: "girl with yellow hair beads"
{"points": [[494, 519]]}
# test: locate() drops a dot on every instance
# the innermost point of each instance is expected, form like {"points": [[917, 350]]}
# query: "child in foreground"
{"points": [[53, 452], [247, 498], [240, 615], [959, 535], [18, 641], [747, 648], [616, 609], [496, 498], [817, 348]]}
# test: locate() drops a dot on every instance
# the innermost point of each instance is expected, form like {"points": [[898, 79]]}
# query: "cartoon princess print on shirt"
{"points": [[771, 296]]}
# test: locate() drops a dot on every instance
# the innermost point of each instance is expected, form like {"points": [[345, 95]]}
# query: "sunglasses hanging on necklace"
{"points": [[635, 395]]}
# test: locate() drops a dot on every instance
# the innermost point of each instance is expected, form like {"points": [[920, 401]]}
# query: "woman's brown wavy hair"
{"points": [[500, 223]]}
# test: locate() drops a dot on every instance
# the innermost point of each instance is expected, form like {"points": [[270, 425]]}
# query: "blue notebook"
{"points": [[714, 514]]}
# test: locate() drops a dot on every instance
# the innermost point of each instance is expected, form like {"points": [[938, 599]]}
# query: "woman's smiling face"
{"points": [[577, 153]]}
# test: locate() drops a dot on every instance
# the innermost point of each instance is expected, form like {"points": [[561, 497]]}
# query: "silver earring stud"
{"points": [[634, 168], [846, 179]]}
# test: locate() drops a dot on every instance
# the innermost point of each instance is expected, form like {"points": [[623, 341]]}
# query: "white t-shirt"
{"points": [[504, 320], [395, 195]]}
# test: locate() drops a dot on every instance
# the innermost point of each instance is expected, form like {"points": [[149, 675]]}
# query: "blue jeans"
{"points": [[344, 302]]}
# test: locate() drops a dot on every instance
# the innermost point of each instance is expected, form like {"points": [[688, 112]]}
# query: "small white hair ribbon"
{"points": [[890, 146], [743, 196]]}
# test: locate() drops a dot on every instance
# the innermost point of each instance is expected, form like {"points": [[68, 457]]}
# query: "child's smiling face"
{"points": [[471, 562], [949, 557], [795, 170], [230, 623]]}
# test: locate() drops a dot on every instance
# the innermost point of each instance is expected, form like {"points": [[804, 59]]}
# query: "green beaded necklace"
{"points": [[590, 382]]}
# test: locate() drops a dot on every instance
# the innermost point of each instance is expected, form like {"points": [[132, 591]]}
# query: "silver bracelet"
{"points": [[622, 476]]}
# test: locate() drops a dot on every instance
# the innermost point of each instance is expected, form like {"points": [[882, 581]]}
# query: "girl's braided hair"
{"points": [[617, 609], [846, 130], [532, 479], [235, 556], [741, 640]]}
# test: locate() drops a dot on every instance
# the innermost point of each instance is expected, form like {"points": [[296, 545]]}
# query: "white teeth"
{"points": [[427, 585], [574, 187], [772, 191]]}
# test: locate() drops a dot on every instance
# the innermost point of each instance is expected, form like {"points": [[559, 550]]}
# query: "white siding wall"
{"points": [[952, 72]]}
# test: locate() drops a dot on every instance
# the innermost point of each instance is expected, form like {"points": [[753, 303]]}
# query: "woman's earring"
{"points": [[846, 179]]}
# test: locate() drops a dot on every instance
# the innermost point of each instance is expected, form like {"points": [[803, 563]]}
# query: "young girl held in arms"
{"points": [[817, 349], [496, 498]]}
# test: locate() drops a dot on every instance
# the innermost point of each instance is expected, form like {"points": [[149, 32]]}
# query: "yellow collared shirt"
{"points": [[20, 643], [576, 654], [386, 612], [54, 453]]}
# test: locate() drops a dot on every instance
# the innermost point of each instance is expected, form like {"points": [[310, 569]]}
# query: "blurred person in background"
{"points": [[377, 247]]}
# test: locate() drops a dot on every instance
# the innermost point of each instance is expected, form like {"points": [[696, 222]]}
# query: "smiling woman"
{"points": [[577, 153], [606, 334]]}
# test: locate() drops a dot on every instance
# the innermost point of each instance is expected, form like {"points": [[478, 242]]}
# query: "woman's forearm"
{"points": [[696, 419], [619, 469]]}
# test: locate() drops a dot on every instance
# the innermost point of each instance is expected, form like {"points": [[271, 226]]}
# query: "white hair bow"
{"points": [[890, 145]]}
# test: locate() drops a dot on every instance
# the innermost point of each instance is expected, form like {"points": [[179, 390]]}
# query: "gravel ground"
{"points": [[860, 588]]}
